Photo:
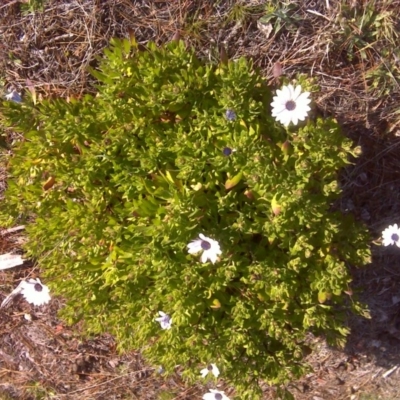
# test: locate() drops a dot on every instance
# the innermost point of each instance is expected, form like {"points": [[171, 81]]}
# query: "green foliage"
{"points": [[282, 16], [367, 33], [383, 79], [118, 185], [366, 28], [39, 391], [166, 395], [31, 6], [241, 11]]}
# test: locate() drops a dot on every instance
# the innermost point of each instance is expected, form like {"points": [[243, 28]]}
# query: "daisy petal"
{"points": [[279, 109], [287, 92], [213, 257], [194, 247], [296, 93], [304, 98]]}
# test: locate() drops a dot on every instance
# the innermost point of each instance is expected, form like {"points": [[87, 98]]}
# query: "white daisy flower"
{"points": [[210, 368], [165, 320], [290, 105], [215, 395], [391, 235], [33, 291], [209, 247]]}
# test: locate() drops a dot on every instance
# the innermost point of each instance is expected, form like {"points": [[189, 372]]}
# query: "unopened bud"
{"points": [[286, 147], [249, 194], [277, 70], [357, 151], [276, 209]]}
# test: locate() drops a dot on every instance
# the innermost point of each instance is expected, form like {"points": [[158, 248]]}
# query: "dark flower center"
{"points": [[290, 105], [205, 245], [218, 396], [210, 367], [395, 237], [38, 287], [227, 151]]}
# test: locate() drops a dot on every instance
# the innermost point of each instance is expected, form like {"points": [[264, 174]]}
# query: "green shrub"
{"points": [[118, 185]]}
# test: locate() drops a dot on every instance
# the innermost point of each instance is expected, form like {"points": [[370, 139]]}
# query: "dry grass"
{"points": [[352, 50], [337, 45]]}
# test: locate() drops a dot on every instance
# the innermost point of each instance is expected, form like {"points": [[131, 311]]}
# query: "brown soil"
{"points": [[40, 358]]}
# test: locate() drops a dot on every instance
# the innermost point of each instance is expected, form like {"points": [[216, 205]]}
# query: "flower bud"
{"points": [[286, 147], [249, 194]]}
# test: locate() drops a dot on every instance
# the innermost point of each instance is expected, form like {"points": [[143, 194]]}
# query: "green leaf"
{"points": [[276, 206], [230, 183], [102, 77], [324, 296]]}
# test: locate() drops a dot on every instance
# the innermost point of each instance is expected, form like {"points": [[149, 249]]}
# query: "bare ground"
{"points": [[40, 358]]}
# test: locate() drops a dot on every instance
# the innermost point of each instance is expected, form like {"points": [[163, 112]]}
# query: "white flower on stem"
{"points": [[391, 235], [290, 105], [165, 320], [209, 247], [33, 291], [215, 395], [210, 368]]}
